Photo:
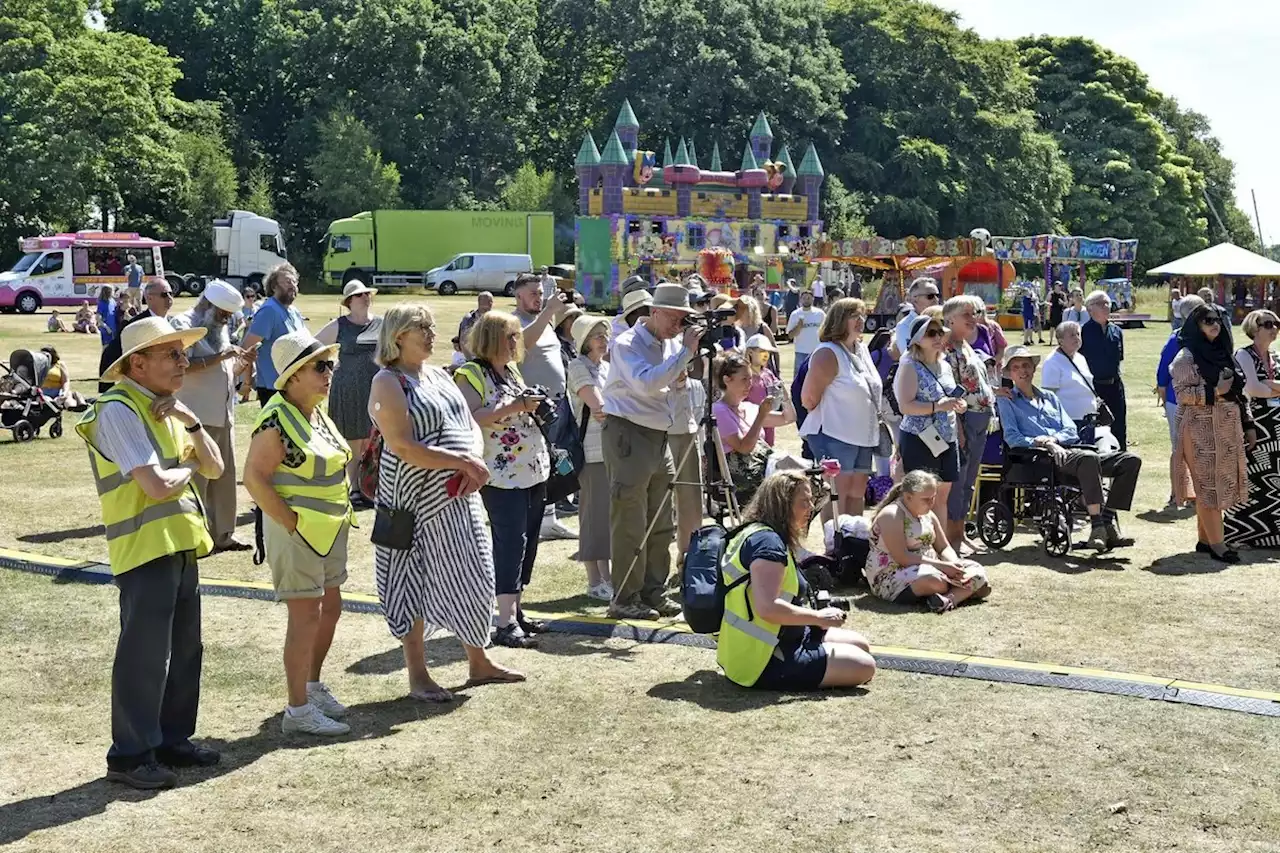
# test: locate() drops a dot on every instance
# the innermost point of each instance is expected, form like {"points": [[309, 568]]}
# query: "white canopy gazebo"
{"points": [[1255, 277], [1223, 259]]}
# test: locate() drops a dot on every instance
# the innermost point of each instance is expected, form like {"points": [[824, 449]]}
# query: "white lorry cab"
{"points": [[476, 271], [246, 246], [68, 269]]}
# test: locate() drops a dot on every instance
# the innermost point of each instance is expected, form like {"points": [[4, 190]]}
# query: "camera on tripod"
{"points": [[708, 320], [545, 413]]}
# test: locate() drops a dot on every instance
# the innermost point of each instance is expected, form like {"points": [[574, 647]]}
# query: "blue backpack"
{"points": [[702, 586]]}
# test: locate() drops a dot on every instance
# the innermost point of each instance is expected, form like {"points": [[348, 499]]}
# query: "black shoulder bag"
{"points": [[393, 527]]}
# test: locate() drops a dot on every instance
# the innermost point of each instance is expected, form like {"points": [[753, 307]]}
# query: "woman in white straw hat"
{"points": [[356, 335], [635, 305], [296, 473], [587, 374], [145, 447]]}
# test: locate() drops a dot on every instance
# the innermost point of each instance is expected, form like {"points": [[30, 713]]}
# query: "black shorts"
{"points": [[916, 456], [802, 669]]}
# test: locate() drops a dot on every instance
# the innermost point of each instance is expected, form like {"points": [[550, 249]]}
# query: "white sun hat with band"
{"points": [[291, 352], [144, 334], [761, 341], [354, 288]]}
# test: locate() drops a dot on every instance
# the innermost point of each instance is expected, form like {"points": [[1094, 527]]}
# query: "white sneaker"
{"points": [[552, 529], [320, 697], [312, 722], [601, 592]]}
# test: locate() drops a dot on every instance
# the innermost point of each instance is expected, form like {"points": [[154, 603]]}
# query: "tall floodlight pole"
{"points": [[1257, 220]]}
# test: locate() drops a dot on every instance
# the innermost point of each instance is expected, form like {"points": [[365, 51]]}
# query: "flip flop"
{"points": [[440, 696], [500, 678]]}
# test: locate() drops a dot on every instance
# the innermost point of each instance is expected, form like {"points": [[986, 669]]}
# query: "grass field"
{"points": [[620, 747]]}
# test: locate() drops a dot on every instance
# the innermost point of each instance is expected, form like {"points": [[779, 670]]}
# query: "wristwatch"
{"points": [[195, 427]]}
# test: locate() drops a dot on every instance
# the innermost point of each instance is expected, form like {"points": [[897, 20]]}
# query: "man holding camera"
{"points": [[543, 367], [646, 362]]}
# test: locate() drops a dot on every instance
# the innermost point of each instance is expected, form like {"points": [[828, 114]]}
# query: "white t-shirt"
{"points": [[1072, 389], [1177, 309], [803, 327], [819, 289]]}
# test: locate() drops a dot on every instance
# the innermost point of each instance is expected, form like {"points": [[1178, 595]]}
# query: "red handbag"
{"points": [[367, 469]]}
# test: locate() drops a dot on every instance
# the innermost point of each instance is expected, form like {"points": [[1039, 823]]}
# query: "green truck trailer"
{"points": [[396, 248]]}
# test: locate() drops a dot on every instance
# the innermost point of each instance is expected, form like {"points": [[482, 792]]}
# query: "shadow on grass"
{"points": [[1074, 563], [709, 689], [1166, 516], [1193, 563], [370, 721], [441, 651]]}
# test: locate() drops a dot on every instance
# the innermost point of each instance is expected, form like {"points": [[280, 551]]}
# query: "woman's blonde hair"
{"points": [[1255, 319], [913, 483], [772, 504], [729, 364], [489, 335], [934, 313], [836, 324], [748, 311], [959, 302], [402, 317]]}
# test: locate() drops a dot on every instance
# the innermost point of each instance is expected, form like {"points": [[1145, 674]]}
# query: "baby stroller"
{"points": [[24, 409]]}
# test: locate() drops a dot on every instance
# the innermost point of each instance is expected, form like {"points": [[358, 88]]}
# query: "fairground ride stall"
{"points": [[1060, 257], [897, 259], [1242, 279]]}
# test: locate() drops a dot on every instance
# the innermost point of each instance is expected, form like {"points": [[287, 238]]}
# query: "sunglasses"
{"points": [[323, 367], [1268, 324], [932, 297], [935, 333], [1210, 321]]}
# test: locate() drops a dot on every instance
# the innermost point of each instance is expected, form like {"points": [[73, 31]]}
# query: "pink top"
{"points": [[759, 392], [729, 422]]}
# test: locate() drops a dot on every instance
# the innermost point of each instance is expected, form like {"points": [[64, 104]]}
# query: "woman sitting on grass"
{"points": [[769, 638], [911, 560], [85, 323]]}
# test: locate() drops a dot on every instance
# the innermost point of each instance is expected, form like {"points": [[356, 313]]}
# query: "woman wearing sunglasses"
{"points": [[1209, 428], [296, 472], [929, 400], [1256, 523]]}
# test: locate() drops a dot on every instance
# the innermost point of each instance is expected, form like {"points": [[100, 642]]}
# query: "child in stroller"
{"points": [[25, 407]]}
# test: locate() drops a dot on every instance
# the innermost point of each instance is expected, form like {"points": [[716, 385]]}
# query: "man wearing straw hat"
{"points": [[145, 448], [209, 391], [646, 361]]}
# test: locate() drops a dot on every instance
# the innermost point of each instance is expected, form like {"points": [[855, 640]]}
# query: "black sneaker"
{"points": [[514, 637], [144, 777], [188, 755]]}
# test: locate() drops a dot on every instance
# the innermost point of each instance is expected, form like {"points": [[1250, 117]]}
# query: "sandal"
{"points": [[530, 626], [939, 603], [438, 696], [513, 637], [506, 676]]}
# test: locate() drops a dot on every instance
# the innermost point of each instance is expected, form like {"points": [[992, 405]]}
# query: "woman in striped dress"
{"points": [[445, 579]]}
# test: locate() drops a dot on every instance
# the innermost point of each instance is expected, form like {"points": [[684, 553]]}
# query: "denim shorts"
{"points": [[853, 459], [802, 669]]}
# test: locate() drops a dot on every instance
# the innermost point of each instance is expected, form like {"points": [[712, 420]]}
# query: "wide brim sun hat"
{"points": [[144, 334], [291, 352], [585, 327]]}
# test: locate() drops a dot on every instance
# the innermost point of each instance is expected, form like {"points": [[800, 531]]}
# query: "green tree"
{"points": [[844, 212], [528, 189], [940, 135], [256, 195], [1130, 179], [349, 172]]}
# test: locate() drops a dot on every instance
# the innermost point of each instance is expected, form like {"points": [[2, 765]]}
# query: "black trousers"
{"points": [[1113, 395], [155, 682], [1088, 468]]}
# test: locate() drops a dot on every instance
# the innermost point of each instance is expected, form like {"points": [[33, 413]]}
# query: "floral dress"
{"points": [[514, 448], [888, 580]]}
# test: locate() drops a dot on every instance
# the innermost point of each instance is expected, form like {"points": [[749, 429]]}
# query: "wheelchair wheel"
{"points": [[995, 524], [1055, 527]]}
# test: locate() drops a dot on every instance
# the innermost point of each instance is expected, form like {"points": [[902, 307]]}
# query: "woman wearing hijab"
{"points": [[1209, 427]]}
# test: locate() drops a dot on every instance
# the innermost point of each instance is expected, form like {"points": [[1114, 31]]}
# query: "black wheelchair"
{"points": [[1031, 491]]}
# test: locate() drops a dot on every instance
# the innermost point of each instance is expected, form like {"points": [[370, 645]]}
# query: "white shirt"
{"points": [[902, 332], [642, 372], [803, 326], [850, 407], [122, 437], [1177, 308], [819, 289], [208, 393], [1072, 389], [1076, 315]]}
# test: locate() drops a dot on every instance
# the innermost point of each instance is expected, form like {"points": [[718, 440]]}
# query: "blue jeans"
{"points": [[515, 516]]}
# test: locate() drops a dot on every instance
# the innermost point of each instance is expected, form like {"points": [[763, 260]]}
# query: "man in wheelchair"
{"points": [[1035, 418]]}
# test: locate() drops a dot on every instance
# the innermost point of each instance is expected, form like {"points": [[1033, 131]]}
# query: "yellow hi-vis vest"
{"points": [[747, 641], [139, 528], [317, 489]]}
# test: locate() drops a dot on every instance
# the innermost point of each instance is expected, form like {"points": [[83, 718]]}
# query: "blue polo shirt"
{"points": [[1025, 419], [1171, 349], [272, 321], [1102, 348]]}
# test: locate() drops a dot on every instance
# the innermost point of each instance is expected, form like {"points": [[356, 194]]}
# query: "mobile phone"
{"points": [[1006, 382], [453, 486]]}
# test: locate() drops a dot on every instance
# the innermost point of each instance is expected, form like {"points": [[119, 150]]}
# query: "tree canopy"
{"points": [[171, 111]]}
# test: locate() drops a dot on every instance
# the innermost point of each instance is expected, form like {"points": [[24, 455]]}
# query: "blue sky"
{"points": [[1219, 58]]}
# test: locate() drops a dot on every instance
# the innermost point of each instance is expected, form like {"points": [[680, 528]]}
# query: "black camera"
{"points": [[708, 319], [545, 413], [823, 598]]}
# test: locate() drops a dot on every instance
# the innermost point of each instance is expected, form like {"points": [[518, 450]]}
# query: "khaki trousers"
{"points": [[219, 496], [638, 461]]}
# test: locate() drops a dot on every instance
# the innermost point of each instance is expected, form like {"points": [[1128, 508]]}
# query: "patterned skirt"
{"points": [[1256, 523]]}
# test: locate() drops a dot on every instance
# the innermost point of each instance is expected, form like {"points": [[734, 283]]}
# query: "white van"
{"points": [[476, 271]]}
